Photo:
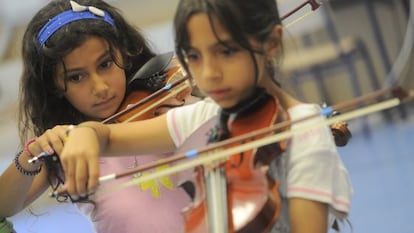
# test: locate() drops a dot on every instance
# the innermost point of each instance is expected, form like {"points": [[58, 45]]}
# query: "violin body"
{"points": [[251, 209], [252, 196], [146, 93], [147, 110]]}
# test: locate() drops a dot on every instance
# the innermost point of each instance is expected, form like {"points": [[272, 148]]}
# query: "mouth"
{"points": [[219, 94], [104, 102]]}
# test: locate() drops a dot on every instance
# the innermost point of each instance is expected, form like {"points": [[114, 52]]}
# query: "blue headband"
{"points": [[78, 12]]}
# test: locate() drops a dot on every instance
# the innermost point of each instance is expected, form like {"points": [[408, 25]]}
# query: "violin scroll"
{"points": [[341, 133], [339, 130]]}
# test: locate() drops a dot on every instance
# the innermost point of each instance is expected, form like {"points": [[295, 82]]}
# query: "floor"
{"points": [[382, 173], [380, 164]]}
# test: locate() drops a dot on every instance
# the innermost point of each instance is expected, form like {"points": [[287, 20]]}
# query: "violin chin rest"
{"points": [[189, 188], [153, 66]]}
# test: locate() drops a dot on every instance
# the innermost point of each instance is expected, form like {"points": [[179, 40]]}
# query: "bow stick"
{"points": [[210, 154], [314, 6]]}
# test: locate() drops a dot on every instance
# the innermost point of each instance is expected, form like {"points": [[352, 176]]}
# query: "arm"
{"points": [[143, 137], [120, 139], [317, 182], [307, 216], [88, 140], [19, 190]]}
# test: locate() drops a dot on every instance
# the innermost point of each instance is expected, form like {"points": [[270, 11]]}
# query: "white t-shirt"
{"points": [[311, 168]]}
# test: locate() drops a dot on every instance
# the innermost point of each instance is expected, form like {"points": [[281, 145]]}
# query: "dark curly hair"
{"points": [[40, 106]]}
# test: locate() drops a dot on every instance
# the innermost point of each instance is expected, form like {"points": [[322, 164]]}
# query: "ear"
{"points": [[274, 42]]}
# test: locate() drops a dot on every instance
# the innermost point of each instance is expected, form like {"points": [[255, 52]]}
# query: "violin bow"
{"points": [[211, 152], [314, 6]]}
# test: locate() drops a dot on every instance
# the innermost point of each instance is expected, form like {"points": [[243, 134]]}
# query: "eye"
{"points": [[192, 56], [228, 51], [75, 77], [106, 64]]}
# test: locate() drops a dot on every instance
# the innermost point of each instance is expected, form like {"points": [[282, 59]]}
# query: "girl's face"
{"points": [[95, 84], [225, 73]]}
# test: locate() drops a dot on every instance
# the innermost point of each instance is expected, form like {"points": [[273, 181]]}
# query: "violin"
{"points": [[147, 94], [250, 195]]}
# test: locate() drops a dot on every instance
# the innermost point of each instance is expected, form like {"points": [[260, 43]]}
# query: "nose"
{"points": [[99, 86], [210, 69]]}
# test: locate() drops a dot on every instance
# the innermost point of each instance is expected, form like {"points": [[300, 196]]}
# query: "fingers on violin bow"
{"points": [[57, 138], [69, 169], [93, 179], [82, 178], [42, 144], [52, 140]]}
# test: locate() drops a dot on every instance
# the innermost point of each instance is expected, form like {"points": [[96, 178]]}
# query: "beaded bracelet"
{"points": [[26, 146], [22, 170]]}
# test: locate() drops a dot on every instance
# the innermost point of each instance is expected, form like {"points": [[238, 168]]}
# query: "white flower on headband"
{"points": [[77, 8]]}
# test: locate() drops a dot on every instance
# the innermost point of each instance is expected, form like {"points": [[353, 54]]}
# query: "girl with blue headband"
{"points": [[78, 58], [232, 49]]}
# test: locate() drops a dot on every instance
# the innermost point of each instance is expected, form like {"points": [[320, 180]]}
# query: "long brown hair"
{"points": [[40, 105]]}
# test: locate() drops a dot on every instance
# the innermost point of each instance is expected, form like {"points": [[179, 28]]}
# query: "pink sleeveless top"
{"points": [[154, 206]]}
